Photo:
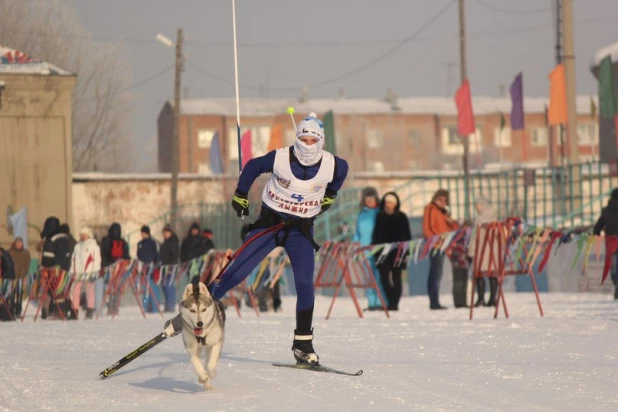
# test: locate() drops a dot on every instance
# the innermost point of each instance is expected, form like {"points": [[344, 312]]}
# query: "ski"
{"points": [[317, 368], [137, 352]]}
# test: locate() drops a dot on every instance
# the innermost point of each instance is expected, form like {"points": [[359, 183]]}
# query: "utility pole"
{"points": [[190, 140], [175, 143], [464, 75], [569, 74]]}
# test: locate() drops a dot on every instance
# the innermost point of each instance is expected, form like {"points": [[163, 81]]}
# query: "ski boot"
{"points": [[303, 348]]}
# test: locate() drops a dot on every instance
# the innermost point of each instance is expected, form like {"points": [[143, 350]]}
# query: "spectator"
{"points": [[169, 255], [7, 276], [21, 261], [461, 263], [148, 255], [193, 246], [485, 214], [56, 253], [113, 249], [436, 221], [208, 241], [85, 264], [64, 228], [392, 225], [365, 224], [608, 222]]}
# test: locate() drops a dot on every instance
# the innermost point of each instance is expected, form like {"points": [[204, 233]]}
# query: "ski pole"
{"points": [[237, 93]]}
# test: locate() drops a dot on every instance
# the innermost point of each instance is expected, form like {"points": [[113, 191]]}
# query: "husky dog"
{"points": [[203, 326]]}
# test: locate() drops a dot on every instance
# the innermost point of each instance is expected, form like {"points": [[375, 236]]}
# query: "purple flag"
{"points": [[517, 98], [216, 165]]}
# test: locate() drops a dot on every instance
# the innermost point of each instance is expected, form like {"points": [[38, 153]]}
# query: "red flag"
{"points": [[465, 116], [246, 147]]}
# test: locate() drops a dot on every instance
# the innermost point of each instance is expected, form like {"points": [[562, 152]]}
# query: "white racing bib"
{"points": [[287, 194]]}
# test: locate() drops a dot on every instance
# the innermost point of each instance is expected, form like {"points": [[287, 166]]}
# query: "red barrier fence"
{"points": [[491, 250]]}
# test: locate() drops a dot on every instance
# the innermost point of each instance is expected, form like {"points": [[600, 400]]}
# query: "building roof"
{"points": [[257, 107], [13, 61], [611, 50]]}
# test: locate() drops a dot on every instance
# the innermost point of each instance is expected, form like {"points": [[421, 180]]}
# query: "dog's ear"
{"points": [[188, 291], [204, 290]]}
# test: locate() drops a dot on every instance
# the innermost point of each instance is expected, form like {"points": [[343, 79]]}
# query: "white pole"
{"points": [[236, 84]]}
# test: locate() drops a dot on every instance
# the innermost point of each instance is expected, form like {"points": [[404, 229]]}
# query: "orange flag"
{"points": [[557, 96], [276, 138]]}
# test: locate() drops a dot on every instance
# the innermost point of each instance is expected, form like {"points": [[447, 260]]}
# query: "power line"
{"points": [[346, 74], [510, 11], [133, 86]]}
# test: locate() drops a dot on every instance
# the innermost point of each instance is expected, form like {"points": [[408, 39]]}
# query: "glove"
{"points": [[328, 200], [240, 203]]}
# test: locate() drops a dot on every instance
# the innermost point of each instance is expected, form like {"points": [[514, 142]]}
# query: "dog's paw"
{"points": [[208, 386]]}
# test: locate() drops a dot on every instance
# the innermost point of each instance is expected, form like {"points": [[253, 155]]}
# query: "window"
{"points": [[502, 138], [451, 143], [204, 138], [375, 138], [539, 136], [587, 134], [414, 137], [376, 166], [204, 169], [260, 137], [413, 165]]}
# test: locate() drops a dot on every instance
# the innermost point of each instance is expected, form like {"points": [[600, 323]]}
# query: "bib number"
{"points": [[298, 198]]}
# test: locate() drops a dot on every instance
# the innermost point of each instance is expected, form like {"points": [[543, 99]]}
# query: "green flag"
{"points": [[329, 132], [607, 98]]}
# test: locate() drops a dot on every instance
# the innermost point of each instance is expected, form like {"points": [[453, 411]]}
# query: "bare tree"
{"points": [[51, 31]]}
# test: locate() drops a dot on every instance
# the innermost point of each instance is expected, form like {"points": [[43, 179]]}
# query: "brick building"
{"points": [[402, 134]]}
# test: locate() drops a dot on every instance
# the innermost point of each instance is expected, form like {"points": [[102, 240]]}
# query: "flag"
{"points": [[607, 97], [216, 165], [517, 99], [557, 96], [246, 147], [593, 108], [502, 122], [465, 116], [330, 144], [276, 138]]}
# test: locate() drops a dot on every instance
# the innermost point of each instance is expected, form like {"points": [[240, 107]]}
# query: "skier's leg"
{"points": [[300, 250], [243, 264], [236, 272]]}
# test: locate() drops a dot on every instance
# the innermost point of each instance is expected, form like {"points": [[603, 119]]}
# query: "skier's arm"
{"points": [[253, 169], [341, 172]]}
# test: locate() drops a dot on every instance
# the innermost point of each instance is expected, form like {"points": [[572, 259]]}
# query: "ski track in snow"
{"points": [[417, 360]]}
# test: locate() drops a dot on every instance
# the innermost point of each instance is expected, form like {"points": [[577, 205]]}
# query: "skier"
{"points": [[304, 183]]}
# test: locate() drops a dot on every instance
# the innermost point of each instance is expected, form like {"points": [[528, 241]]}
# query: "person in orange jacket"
{"points": [[436, 220]]}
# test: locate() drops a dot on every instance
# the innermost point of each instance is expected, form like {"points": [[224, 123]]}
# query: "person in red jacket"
{"points": [[436, 221]]}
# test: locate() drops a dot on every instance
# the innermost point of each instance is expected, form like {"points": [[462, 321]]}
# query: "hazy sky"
{"points": [[289, 43]]}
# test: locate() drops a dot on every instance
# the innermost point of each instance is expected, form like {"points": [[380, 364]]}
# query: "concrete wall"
{"points": [[35, 148]]}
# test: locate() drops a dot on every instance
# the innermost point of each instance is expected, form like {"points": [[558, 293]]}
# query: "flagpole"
{"points": [[237, 93]]}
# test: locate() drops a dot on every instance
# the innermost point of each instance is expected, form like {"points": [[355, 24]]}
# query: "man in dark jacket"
{"points": [[608, 222], [169, 255], [56, 253], [208, 242], [194, 245], [148, 254], [113, 249]]}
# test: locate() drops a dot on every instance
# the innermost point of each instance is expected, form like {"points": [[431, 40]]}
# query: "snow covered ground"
{"points": [[417, 360]]}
